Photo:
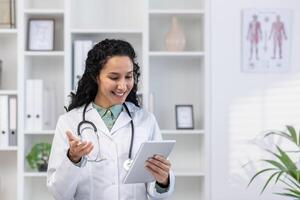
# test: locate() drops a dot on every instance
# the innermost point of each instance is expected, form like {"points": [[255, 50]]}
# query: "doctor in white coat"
{"points": [[87, 160]]}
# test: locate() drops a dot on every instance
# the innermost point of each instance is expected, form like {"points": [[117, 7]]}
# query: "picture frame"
{"points": [[266, 40], [184, 116], [7, 14], [41, 34]]}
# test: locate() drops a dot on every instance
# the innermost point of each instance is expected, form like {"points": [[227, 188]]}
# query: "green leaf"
{"points": [[278, 177], [268, 181], [280, 133], [258, 173], [276, 164], [293, 191], [288, 195], [293, 133], [288, 163], [294, 182]]}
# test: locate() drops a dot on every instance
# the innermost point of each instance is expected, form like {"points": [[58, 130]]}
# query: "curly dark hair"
{"points": [[97, 57]]}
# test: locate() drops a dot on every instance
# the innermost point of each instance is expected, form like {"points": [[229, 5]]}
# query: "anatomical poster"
{"points": [[266, 40]]}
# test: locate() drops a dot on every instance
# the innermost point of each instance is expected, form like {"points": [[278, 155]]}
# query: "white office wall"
{"points": [[244, 104]]}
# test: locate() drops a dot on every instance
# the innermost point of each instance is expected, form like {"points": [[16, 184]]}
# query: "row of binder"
{"points": [[40, 105], [81, 49], [34, 104], [8, 121]]}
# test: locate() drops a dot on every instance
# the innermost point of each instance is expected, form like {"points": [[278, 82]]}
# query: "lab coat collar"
{"points": [[123, 119]]}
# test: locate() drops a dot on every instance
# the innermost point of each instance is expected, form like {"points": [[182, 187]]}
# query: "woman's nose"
{"points": [[122, 85]]}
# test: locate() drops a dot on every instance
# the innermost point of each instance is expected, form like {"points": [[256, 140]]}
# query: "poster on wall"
{"points": [[266, 40]]}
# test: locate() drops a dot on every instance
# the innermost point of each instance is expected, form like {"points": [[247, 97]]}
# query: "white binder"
{"points": [[81, 49], [3, 121], [12, 126], [34, 104], [38, 105], [29, 104]]}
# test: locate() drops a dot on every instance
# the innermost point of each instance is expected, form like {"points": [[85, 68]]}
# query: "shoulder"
{"points": [[139, 113], [71, 115]]}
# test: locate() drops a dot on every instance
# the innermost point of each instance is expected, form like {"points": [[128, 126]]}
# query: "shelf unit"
{"points": [[181, 77], [168, 78], [9, 42], [48, 66]]}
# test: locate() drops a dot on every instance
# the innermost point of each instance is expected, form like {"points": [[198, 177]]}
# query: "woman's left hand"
{"points": [[159, 167]]}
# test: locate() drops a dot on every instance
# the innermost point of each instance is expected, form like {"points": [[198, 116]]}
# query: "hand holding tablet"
{"points": [[137, 172]]}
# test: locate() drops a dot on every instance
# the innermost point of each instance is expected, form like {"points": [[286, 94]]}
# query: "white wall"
{"points": [[244, 104]]}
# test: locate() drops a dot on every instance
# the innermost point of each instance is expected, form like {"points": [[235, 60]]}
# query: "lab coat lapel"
{"points": [[93, 116], [121, 121]]}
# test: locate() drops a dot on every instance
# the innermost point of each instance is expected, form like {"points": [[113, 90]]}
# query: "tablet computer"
{"points": [[137, 172]]}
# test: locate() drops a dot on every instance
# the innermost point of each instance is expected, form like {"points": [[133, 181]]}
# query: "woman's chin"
{"points": [[119, 100]]}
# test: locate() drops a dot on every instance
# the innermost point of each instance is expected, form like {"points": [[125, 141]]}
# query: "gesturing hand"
{"points": [[159, 167], [77, 147]]}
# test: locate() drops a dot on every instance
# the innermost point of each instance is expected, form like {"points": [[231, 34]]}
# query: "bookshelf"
{"points": [[168, 78], [9, 86]]}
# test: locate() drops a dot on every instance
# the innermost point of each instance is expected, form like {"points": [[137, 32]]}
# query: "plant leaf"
{"points": [[268, 181], [278, 177], [258, 173], [293, 133], [289, 164], [288, 195], [276, 164]]}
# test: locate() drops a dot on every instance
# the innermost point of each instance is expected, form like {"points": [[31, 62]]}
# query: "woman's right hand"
{"points": [[77, 149]]}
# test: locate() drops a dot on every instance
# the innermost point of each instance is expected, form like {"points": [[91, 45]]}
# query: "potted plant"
{"points": [[38, 157], [283, 169]]}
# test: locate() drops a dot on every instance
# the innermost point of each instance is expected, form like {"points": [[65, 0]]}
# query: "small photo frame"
{"points": [[184, 116], [41, 34]]}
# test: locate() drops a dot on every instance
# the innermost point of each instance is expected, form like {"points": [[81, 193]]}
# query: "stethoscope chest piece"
{"points": [[127, 164]]}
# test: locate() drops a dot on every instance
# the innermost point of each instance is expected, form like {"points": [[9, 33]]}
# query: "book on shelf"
{"points": [[8, 120], [34, 104], [81, 49], [0, 74], [40, 102], [7, 14]]}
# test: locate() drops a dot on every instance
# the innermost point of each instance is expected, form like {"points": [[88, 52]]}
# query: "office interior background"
{"points": [[191, 53]]}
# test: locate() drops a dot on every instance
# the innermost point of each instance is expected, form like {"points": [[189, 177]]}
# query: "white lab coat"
{"points": [[102, 180]]}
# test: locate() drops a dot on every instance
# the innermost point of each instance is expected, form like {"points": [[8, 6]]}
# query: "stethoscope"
{"points": [[127, 163]]}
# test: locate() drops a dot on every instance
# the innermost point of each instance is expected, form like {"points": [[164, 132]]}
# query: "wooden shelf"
{"points": [[182, 132], [44, 11], [99, 31], [8, 92], [39, 132], [9, 148], [8, 31], [188, 173], [167, 53], [35, 174], [176, 12], [44, 53]]}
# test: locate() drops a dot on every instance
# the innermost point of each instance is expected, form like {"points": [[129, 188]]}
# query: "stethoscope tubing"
{"points": [[95, 128]]}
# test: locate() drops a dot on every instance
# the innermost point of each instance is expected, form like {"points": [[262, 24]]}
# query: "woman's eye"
{"points": [[128, 77], [113, 78]]}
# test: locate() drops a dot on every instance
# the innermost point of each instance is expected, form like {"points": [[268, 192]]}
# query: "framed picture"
{"points": [[184, 117], [7, 14], [41, 34], [266, 40]]}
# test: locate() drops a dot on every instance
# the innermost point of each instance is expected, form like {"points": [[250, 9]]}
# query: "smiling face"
{"points": [[115, 81]]}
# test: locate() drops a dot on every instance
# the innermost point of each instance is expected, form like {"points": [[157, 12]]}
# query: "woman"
{"points": [[88, 162]]}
